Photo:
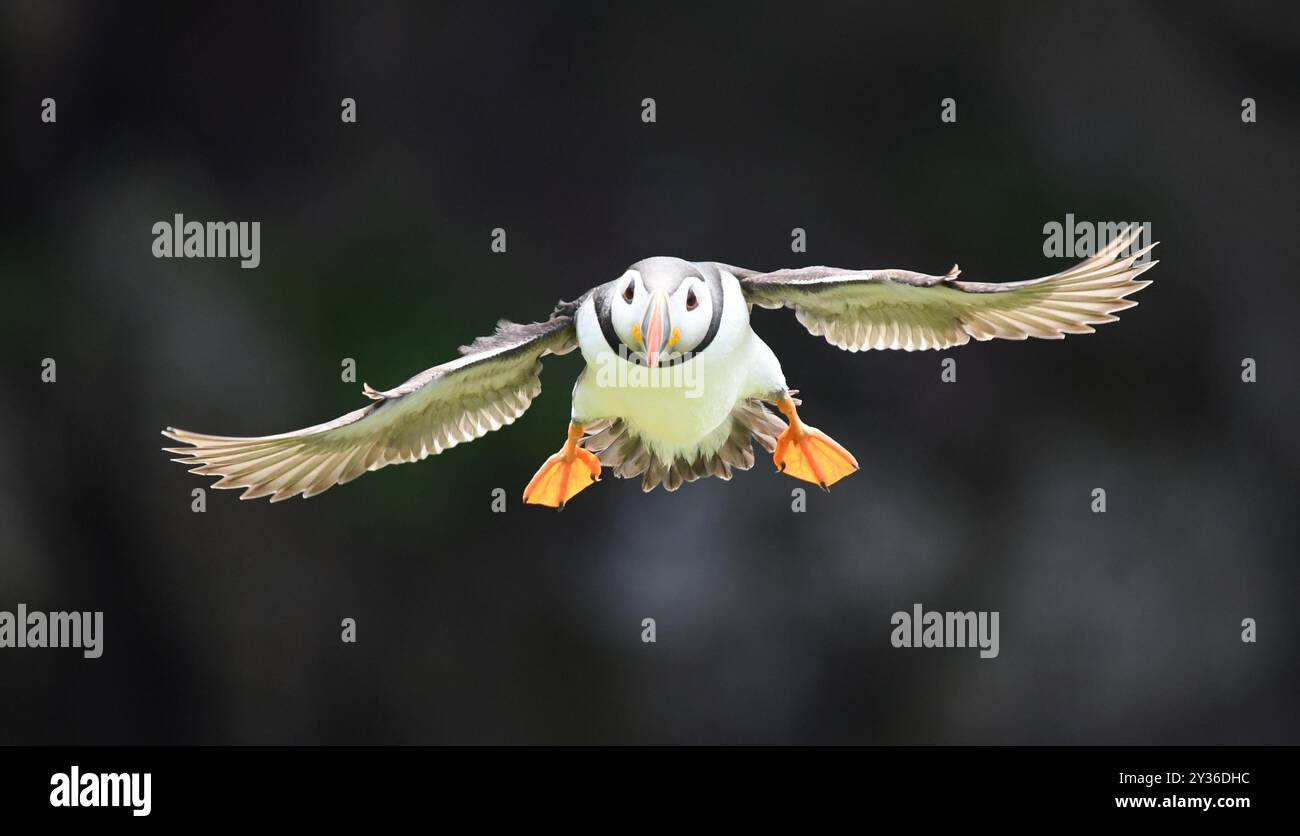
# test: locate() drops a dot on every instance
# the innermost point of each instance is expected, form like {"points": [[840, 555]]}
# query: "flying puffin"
{"points": [[676, 383]]}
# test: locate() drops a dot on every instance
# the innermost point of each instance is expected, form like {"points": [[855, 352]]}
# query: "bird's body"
{"points": [[676, 384], [686, 411]]}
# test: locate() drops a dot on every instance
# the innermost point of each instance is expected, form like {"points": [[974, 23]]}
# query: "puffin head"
{"points": [[665, 309]]}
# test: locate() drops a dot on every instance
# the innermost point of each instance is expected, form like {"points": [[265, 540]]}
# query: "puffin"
{"points": [[676, 386]]}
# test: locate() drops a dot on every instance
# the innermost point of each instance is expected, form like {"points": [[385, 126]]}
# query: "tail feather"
{"points": [[628, 456]]}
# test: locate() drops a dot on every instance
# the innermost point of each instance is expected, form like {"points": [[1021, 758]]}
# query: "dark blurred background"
{"points": [[772, 627]]}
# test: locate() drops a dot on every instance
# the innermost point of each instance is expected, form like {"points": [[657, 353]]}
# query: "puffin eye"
{"points": [[629, 292], [692, 302]]}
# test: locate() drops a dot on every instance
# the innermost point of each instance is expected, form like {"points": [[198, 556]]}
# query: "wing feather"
{"points": [[489, 386], [859, 310]]}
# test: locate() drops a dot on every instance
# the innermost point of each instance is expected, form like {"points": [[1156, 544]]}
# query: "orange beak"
{"points": [[655, 327]]}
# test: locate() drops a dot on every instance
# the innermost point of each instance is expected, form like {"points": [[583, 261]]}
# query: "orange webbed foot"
{"points": [[809, 454], [564, 475]]}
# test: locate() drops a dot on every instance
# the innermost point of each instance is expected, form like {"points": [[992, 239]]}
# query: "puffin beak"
{"points": [[655, 327]]}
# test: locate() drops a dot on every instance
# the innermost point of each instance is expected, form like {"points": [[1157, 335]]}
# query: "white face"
{"points": [[657, 326]]}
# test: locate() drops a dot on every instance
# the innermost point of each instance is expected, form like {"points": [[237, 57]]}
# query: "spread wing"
{"points": [[489, 386], [865, 309]]}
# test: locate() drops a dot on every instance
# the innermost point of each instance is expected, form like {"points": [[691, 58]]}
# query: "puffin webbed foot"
{"points": [[809, 454], [565, 474]]}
